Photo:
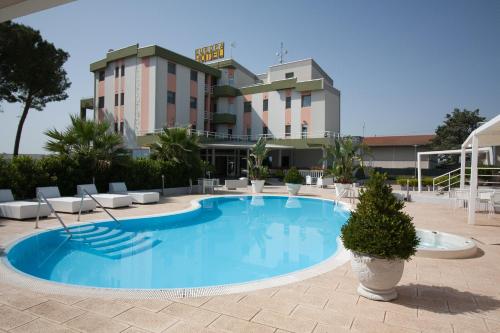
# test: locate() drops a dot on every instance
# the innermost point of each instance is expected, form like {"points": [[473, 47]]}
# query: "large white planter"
{"points": [[257, 186], [293, 189], [377, 277]]}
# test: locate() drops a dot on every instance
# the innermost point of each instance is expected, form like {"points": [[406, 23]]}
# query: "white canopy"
{"points": [[486, 135]]}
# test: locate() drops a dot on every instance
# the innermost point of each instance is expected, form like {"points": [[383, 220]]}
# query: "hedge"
{"points": [[23, 174]]}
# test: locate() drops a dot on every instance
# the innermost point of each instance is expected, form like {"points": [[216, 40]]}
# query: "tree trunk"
{"points": [[27, 106]]}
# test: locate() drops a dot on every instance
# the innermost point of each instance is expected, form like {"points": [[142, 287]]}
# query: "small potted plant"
{"points": [[258, 172], [293, 180], [380, 237]]}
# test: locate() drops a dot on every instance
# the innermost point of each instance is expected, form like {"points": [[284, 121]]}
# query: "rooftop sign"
{"points": [[209, 53]]}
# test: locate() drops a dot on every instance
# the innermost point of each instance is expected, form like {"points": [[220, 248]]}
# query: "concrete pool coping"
{"points": [[10, 274]]}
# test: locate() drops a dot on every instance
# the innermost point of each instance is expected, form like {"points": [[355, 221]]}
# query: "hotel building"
{"points": [[141, 90]]}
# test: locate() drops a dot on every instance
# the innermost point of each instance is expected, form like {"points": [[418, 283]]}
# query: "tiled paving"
{"points": [[435, 295]]}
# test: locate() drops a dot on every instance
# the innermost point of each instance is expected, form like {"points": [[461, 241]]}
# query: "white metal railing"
{"points": [[312, 173], [85, 192], [450, 179], [41, 197], [235, 137]]}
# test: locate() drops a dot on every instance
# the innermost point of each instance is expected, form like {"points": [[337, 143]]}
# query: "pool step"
{"points": [[96, 232], [111, 233], [82, 229], [138, 248], [136, 240], [112, 240], [112, 243]]}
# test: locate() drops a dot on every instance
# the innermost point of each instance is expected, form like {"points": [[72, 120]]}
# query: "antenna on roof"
{"points": [[281, 53], [232, 45]]}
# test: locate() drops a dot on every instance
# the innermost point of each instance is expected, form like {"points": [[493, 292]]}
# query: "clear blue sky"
{"points": [[400, 65]]}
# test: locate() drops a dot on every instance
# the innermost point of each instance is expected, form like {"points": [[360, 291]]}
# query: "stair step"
{"points": [[99, 231], [147, 245], [76, 230], [112, 233], [123, 245], [113, 240]]}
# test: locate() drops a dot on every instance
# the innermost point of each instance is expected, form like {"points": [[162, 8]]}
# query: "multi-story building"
{"points": [[141, 90]]}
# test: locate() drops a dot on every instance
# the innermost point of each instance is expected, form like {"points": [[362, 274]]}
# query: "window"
{"points": [[304, 131], [116, 127], [122, 99], [265, 130], [306, 101], [247, 107], [117, 71], [193, 103], [121, 127], [194, 76], [288, 75], [249, 131], [265, 105], [288, 130], [101, 75], [193, 127], [288, 102], [171, 68], [116, 99], [100, 103], [171, 97], [123, 70]]}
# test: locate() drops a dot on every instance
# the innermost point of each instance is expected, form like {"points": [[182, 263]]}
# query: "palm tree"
{"points": [[257, 155], [346, 158], [88, 140], [177, 145]]}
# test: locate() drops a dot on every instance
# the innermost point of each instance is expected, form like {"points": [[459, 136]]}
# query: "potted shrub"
{"points": [[293, 180], [380, 237], [258, 172]]}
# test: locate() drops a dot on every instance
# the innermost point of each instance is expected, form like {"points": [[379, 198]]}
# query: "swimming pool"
{"points": [[225, 240]]}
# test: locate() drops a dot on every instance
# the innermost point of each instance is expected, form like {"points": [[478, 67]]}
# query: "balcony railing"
{"points": [[246, 138]]}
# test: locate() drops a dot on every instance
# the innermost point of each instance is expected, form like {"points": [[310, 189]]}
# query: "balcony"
{"points": [[224, 118], [225, 91]]}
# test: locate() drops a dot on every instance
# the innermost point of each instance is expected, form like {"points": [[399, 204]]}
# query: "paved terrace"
{"points": [[435, 295]]}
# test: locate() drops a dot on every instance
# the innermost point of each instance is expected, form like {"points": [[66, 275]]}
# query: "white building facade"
{"points": [[141, 90]]}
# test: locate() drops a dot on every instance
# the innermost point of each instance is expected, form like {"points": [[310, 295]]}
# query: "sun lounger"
{"points": [[20, 210], [233, 184], [324, 182], [107, 200], [65, 204], [140, 197]]}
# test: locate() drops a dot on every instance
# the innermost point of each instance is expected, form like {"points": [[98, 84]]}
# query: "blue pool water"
{"points": [[228, 240]]}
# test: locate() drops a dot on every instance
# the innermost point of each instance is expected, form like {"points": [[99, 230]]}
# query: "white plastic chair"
{"points": [[461, 198], [309, 180]]}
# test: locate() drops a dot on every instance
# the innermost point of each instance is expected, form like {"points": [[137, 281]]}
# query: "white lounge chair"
{"points": [[324, 182], [106, 200], [233, 184], [20, 210], [65, 204], [140, 197]]}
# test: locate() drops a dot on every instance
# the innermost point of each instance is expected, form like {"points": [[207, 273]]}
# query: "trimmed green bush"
{"points": [[293, 176], [402, 180], [379, 227], [23, 174]]}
